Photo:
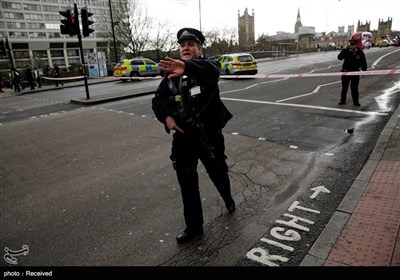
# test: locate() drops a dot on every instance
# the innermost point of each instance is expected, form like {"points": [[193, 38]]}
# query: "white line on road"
{"points": [[310, 93], [305, 106], [379, 59], [251, 86], [329, 67]]}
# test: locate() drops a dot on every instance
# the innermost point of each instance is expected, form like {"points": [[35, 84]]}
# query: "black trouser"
{"points": [[355, 80], [186, 151], [17, 85], [31, 83], [58, 81]]}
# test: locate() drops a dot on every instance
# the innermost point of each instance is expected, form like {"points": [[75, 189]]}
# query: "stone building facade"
{"points": [[298, 22], [384, 28], [305, 39], [246, 31], [364, 27]]}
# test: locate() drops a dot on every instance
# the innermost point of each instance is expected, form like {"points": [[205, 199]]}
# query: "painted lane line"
{"points": [[310, 93], [305, 106], [379, 59]]}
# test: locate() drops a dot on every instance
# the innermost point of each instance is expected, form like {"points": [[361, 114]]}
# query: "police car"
{"points": [[238, 63], [136, 67]]}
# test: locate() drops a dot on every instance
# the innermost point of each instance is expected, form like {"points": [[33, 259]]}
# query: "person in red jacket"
{"points": [[187, 101], [354, 60]]}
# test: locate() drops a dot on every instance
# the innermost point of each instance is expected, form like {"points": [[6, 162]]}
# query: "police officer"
{"points": [[188, 102], [56, 74], [354, 60]]}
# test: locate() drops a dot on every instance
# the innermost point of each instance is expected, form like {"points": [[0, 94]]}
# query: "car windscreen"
{"points": [[137, 62], [245, 58], [150, 62]]}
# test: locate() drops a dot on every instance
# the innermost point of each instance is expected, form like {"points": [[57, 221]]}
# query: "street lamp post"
{"points": [[200, 14], [113, 33]]}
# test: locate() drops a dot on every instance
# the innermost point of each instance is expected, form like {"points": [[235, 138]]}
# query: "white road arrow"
{"points": [[318, 190]]}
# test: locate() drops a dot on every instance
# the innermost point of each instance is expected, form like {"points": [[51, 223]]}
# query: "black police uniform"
{"points": [[353, 61], [202, 117]]}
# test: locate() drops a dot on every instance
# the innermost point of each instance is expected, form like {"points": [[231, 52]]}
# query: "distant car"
{"points": [[396, 41], [237, 64], [136, 67], [383, 43]]}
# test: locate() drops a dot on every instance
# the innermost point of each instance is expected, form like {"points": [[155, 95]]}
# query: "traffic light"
{"points": [[86, 22], [69, 23], [3, 49]]}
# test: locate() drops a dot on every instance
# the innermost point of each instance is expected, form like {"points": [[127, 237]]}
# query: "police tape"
{"points": [[267, 76], [306, 75], [105, 78], [63, 79]]}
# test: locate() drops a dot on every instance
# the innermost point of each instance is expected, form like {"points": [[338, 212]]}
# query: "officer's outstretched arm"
{"points": [[174, 67], [203, 71]]}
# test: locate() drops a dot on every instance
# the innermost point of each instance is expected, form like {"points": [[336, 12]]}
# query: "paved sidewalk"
{"points": [[94, 98], [365, 229], [51, 86]]}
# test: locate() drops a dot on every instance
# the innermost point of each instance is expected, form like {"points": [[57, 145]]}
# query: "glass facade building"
{"points": [[32, 29]]}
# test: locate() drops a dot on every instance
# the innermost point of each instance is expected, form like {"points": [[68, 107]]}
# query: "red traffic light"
{"points": [[69, 23]]}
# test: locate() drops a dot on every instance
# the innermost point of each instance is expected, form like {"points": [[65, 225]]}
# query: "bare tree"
{"points": [[231, 36], [133, 28], [263, 43], [162, 40], [171, 44], [221, 41]]}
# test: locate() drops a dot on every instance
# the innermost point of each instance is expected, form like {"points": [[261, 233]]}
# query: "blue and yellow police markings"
{"points": [[226, 66]]}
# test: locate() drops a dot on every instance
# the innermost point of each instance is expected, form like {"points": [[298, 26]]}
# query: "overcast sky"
{"points": [[273, 16]]}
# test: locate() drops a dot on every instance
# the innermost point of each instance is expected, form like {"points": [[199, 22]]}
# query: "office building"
{"points": [[32, 29]]}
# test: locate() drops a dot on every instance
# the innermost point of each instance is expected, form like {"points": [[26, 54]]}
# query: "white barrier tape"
{"points": [[129, 78], [271, 76], [63, 79], [305, 75], [108, 78], [279, 76]]}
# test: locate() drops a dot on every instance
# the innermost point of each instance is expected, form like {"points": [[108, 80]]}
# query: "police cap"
{"points": [[187, 33]]}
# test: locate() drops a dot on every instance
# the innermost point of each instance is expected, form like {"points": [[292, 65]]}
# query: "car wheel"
{"points": [[135, 74]]}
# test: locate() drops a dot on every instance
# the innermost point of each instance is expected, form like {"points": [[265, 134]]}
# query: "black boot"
{"points": [[230, 205], [189, 234]]}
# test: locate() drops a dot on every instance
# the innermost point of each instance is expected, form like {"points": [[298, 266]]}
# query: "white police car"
{"points": [[238, 63], [136, 67]]}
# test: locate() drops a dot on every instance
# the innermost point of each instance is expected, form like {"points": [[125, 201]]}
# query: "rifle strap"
{"points": [[180, 91], [206, 104]]}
